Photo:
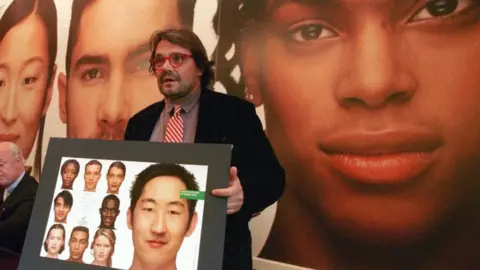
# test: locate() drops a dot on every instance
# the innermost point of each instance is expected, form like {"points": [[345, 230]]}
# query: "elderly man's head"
{"points": [[11, 163]]}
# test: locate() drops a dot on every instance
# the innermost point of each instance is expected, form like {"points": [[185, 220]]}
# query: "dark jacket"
{"points": [[229, 120], [15, 214]]}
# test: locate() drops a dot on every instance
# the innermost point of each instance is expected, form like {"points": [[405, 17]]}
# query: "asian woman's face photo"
{"points": [[24, 93], [369, 96]]}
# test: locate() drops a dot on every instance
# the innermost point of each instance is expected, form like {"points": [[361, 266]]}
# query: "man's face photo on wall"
{"points": [[107, 64]]}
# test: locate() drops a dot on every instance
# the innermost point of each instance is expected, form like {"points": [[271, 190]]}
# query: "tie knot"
{"points": [[177, 109]]}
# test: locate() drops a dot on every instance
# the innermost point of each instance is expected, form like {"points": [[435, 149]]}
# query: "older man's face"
{"points": [[9, 166]]}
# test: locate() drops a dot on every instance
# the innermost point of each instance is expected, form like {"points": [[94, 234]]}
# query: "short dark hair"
{"points": [[93, 162], [111, 197], [55, 226], [118, 165], [67, 197], [189, 40], [80, 229], [71, 161], [163, 169], [185, 9]]}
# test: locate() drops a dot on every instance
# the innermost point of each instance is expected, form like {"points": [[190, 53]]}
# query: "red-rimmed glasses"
{"points": [[175, 60]]}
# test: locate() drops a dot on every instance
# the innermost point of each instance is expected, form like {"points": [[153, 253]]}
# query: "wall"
{"points": [[322, 74]]}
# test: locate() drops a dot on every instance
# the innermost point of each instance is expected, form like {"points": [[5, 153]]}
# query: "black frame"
{"points": [[216, 156]]}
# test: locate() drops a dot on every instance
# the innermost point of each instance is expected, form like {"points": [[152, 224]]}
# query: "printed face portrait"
{"points": [[24, 93], [362, 96], [102, 249], [55, 241], [78, 243], [115, 177], [92, 175], [109, 79], [69, 174], [109, 213], [61, 210], [160, 222], [175, 69]]}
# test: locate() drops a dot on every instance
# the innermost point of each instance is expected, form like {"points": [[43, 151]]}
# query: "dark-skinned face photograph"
{"points": [[371, 107]]}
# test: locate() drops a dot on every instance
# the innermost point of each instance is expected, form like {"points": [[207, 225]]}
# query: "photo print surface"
{"points": [[115, 213]]}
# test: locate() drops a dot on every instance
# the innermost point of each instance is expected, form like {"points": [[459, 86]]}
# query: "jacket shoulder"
{"points": [[31, 184], [147, 112], [230, 102]]}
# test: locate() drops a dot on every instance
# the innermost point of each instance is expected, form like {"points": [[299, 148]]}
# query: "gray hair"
{"points": [[16, 151]]}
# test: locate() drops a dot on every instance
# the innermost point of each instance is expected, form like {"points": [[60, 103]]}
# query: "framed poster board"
{"points": [[116, 204]]}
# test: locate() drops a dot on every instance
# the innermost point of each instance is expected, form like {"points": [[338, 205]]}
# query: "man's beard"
{"points": [[173, 93]]}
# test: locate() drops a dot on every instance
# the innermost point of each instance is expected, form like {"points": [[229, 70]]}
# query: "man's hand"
{"points": [[234, 192]]}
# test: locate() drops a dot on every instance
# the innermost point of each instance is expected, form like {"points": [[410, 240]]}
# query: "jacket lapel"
{"points": [[149, 121], [2, 190], [207, 131]]}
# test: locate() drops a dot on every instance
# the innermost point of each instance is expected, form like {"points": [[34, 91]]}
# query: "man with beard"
{"points": [[192, 113]]}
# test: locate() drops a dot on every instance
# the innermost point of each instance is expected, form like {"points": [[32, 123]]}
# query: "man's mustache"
{"points": [[169, 74]]}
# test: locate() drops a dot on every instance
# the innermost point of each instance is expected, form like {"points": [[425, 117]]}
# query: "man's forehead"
{"points": [[5, 149], [162, 189], [139, 19], [92, 167], [110, 202], [165, 47], [115, 170], [79, 234]]}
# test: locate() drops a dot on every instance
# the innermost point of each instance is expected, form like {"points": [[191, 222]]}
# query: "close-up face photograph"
{"points": [[370, 106], [28, 48]]}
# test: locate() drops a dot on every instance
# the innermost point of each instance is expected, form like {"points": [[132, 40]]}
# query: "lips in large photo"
{"points": [[388, 186], [381, 158]]}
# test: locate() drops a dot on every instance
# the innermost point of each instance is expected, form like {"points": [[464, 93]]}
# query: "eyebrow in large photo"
{"points": [[371, 108]]}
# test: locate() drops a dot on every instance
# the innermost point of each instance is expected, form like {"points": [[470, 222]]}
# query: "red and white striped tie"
{"points": [[174, 132]]}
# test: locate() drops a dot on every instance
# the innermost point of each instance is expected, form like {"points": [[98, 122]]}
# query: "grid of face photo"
{"points": [[117, 213]]}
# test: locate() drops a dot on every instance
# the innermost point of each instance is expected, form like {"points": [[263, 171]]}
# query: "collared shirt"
{"points": [[189, 116], [12, 186]]}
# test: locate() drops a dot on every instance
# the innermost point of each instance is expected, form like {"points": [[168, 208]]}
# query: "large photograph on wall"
{"points": [[372, 109], [68, 71], [124, 205], [400, 74]]}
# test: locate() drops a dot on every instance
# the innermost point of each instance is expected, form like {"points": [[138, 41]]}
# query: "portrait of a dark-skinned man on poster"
{"points": [[372, 108]]}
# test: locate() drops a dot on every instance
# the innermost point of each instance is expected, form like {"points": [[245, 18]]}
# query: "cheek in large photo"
{"points": [[300, 92], [296, 91]]}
